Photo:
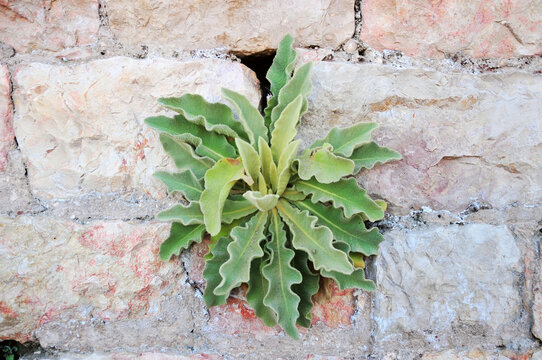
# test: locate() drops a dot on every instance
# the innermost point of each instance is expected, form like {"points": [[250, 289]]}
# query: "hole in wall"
{"points": [[260, 63], [13, 350]]}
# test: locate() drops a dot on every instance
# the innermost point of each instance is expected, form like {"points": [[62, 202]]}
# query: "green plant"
{"points": [[278, 221]]}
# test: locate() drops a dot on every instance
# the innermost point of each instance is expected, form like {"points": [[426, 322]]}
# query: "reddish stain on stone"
{"points": [[7, 311], [333, 308], [49, 315]]}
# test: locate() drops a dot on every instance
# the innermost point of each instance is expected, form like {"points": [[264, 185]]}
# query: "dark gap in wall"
{"points": [[260, 63], [13, 350]]}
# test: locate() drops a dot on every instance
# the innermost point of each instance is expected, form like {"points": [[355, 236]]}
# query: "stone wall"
{"points": [[456, 87]]}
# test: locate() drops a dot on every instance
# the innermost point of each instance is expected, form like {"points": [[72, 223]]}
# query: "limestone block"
{"points": [[463, 137], [448, 286], [482, 28], [81, 128], [53, 25], [6, 114], [241, 26]]}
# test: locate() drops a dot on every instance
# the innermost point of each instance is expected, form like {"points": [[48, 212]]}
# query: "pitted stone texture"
{"points": [[6, 114], [442, 287], [479, 354], [15, 196], [240, 26], [73, 287], [463, 137], [81, 127], [481, 28], [51, 25]]}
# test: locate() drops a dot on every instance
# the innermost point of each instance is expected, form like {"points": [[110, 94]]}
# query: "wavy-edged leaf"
{"points": [[285, 128], [184, 182], [236, 209], [180, 238], [345, 194], [269, 168], [186, 215], [281, 277], [368, 155], [280, 72], [306, 289], [184, 156], [249, 116], [325, 166], [258, 286], [345, 140], [218, 182], [299, 84], [250, 158], [285, 162], [244, 248], [293, 195], [224, 232], [262, 202], [351, 281], [215, 117], [211, 273], [349, 231], [316, 241]]}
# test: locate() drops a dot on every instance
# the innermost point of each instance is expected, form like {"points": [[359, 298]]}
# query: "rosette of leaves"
{"points": [[278, 221]]}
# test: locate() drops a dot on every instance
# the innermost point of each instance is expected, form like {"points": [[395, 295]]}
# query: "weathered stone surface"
{"points": [[243, 27], [94, 287], [6, 114], [442, 287], [52, 25], [479, 354], [81, 128], [483, 28], [463, 137], [15, 196]]}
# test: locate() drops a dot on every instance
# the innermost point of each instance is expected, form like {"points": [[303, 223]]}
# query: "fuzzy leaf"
{"points": [[306, 289], [316, 241], [285, 162], [299, 84], [262, 202], [258, 286], [351, 281], [368, 155], [325, 166], [250, 158], [186, 215], [285, 128], [345, 140], [345, 194], [211, 273], [215, 117], [184, 157], [218, 182], [267, 163], [349, 231], [281, 276], [184, 182], [224, 232], [180, 238], [244, 248], [293, 194], [236, 209], [249, 116]]}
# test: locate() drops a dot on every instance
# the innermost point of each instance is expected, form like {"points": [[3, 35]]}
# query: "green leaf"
{"points": [[285, 162], [368, 155], [306, 289], [316, 241], [349, 231], [250, 159], [244, 248], [281, 276], [184, 182], [351, 281], [180, 238], [184, 157], [266, 161], [325, 166], [285, 128], [215, 117], [236, 209], [258, 286], [345, 140], [218, 182], [211, 273], [186, 215], [299, 84], [262, 202], [224, 232], [293, 195], [345, 194], [250, 117]]}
